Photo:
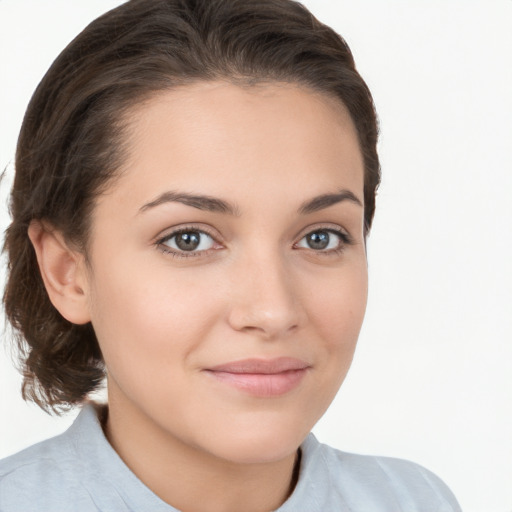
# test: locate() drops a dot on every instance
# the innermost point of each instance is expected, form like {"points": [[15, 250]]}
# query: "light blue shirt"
{"points": [[79, 471]]}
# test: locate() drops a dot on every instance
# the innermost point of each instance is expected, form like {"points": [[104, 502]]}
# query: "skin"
{"points": [[256, 289]]}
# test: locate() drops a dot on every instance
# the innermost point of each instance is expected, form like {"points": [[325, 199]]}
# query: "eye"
{"points": [[190, 240], [325, 240]]}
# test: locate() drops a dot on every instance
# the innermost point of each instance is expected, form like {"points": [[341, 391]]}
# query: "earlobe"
{"points": [[63, 272]]}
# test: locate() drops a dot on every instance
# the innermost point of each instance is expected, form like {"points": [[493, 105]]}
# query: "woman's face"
{"points": [[228, 277]]}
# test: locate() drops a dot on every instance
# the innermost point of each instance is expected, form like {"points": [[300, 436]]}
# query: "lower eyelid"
{"points": [[180, 254]]}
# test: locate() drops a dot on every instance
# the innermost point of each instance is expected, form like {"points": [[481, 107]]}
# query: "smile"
{"points": [[261, 378]]}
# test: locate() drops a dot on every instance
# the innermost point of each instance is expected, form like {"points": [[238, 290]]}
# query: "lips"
{"points": [[261, 377]]}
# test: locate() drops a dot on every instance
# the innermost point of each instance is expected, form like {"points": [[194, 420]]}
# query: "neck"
{"points": [[178, 473]]}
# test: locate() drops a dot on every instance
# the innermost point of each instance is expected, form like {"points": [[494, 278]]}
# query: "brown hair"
{"points": [[70, 145]]}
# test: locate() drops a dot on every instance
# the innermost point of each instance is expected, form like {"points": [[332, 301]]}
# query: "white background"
{"points": [[432, 377]]}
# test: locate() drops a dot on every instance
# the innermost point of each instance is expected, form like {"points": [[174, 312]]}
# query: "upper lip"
{"points": [[262, 366]]}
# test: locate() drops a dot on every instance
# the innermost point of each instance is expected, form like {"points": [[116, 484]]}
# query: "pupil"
{"points": [[318, 240], [187, 241]]}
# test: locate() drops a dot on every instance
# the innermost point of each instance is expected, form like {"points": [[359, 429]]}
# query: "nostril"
{"points": [[269, 325]]}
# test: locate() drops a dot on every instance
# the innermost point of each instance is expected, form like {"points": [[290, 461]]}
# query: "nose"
{"points": [[265, 302]]}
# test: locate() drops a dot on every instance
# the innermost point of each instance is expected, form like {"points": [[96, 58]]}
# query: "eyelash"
{"points": [[160, 243], [344, 240]]}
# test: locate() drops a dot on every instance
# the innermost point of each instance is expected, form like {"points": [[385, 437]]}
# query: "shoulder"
{"points": [[44, 455], [62, 470], [77, 470], [402, 480], [362, 482], [39, 477]]}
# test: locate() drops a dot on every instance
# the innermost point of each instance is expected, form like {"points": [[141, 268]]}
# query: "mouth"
{"points": [[261, 377]]}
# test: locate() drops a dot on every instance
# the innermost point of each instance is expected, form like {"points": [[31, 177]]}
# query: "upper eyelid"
{"points": [[168, 233], [327, 226]]}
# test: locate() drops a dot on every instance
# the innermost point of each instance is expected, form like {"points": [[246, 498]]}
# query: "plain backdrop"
{"points": [[432, 376]]}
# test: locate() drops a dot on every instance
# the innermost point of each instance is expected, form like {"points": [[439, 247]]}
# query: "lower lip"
{"points": [[262, 384]]}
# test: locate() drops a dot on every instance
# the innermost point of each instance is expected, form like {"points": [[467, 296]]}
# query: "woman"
{"points": [[195, 181]]}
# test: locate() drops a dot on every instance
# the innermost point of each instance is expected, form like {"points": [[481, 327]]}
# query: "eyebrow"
{"points": [[216, 205], [326, 200], [201, 202]]}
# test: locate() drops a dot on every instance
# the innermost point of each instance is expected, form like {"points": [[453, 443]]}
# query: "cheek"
{"points": [[338, 307], [147, 318], [336, 310]]}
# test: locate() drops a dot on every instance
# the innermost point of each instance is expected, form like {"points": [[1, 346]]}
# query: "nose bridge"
{"points": [[265, 300]]}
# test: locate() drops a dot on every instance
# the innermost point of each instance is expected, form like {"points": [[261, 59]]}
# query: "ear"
{"points": [[63, 272]]}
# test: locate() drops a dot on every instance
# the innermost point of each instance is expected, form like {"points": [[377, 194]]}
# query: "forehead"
{"points": [[224, 137]]}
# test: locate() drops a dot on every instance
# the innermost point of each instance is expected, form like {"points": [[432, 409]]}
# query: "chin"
{"points": [[262, 443]]}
